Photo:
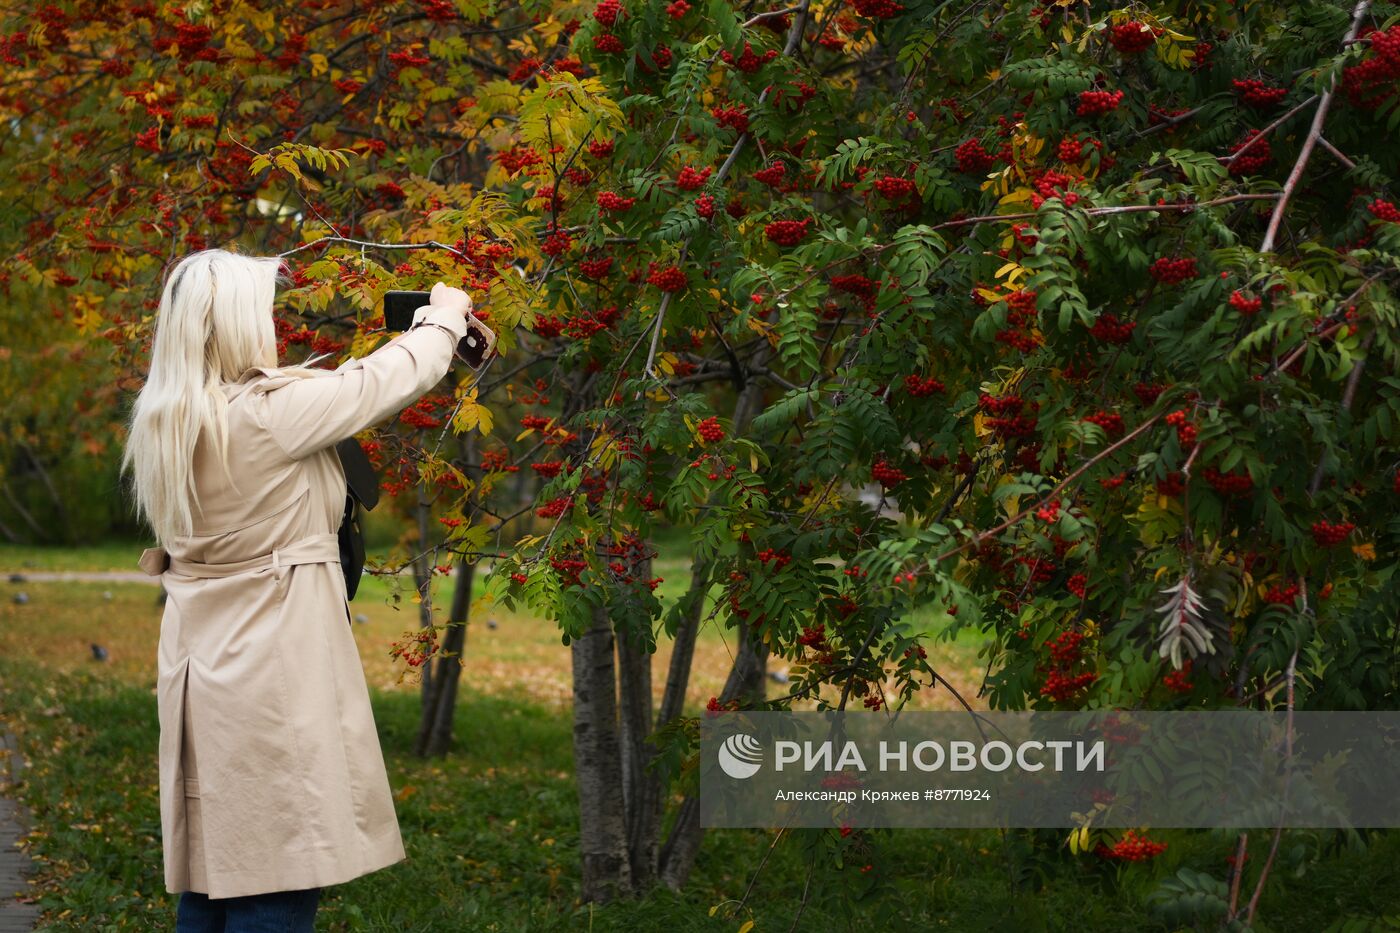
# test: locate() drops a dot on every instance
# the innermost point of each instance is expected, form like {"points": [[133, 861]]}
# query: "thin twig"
{"points": [[1324, 104]]}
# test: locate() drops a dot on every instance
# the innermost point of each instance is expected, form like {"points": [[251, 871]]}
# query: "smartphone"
{"points": [[474, 349]]}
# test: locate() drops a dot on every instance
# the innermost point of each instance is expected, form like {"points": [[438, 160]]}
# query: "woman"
{"points": [[272, 781]]}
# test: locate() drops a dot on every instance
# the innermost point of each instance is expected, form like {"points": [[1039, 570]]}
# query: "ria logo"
{"points": [[740, 756]]}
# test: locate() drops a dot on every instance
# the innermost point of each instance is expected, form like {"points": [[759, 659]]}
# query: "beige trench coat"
{"points": [[271, 773]]}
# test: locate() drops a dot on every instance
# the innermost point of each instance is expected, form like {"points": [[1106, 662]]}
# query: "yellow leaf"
{"points": [[472, 415], [319, 65], [1365, 551]]}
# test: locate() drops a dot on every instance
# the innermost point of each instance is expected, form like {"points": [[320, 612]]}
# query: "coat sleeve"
{"points": [[307, 415]]}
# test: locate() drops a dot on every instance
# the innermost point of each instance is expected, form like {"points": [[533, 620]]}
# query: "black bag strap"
{"points": [[360, 477]]}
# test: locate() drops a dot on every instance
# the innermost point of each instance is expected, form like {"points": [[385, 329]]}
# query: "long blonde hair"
{"points": [[214, 324]]}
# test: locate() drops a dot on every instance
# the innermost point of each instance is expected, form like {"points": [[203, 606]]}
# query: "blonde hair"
{"points": [[214, 324]]}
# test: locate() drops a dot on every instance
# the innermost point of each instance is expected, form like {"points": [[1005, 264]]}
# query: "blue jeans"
{"points": [[275, 912]]}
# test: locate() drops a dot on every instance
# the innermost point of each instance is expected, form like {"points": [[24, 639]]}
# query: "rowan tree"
{"points": [[1095, 305]]}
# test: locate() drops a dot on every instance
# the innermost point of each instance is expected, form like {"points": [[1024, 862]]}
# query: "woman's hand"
{"points": [[445, 296]]}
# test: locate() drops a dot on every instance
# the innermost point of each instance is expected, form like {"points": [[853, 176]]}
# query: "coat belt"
{"points": [[313, 549]]}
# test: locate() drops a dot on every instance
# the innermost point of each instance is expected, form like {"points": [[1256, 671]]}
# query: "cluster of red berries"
{"points": [[735, 117], [1111, 330], [1008, 415], [877, 9], [1282, 595], [607, 12], [1064, 649], [886, 474], [421, 646], [1170, 271], [688, 179], [1378, 72], [1133, 38], [677, 9], [972, 158], [608, 44], [1251, 154], [554, 507], [1110, 421], [1179, 681], [1245, 306], [922, 386], [705, 206], [1172, 485], [1054, 184], [613, 202], [1020, 319], [1132, 848], [1060, 686], [893, 187], [568, 570], [772, 176], [1257, 94], [600, 148], [548, 470], [1228, 484], [1384, 210], [747, 61], [813, 636], [1078, 584], [1050, 512], [556, 242], [1098, 103], [710, 430], [596, 268], [1327, 534], [777, 558], [669, 279], [1185, 430], [1071, 148], [787, 232]]}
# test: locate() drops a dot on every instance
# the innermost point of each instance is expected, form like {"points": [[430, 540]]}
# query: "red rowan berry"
{"points": [[787, 232], [1327, 534], [710, 430], [1133, 38], [608, 44], [1245, 306], [614, 203], [1255, 93], [972, 158], [894, 187], [886, 474], [689, 179], [1097, 103], [607, 12], [669, 279], [1170, 271]]}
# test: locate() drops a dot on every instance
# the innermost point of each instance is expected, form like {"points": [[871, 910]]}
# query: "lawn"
{"points": [[491, 829]]}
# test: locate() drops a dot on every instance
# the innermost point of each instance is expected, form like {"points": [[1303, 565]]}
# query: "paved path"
{"points": [[49, 576], [15, 917]]}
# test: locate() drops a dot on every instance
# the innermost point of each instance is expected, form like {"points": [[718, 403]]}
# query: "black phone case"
{"points": [[399, 306]]}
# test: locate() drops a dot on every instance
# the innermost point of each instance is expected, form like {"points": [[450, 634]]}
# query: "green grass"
{"points": [[490, 832]]}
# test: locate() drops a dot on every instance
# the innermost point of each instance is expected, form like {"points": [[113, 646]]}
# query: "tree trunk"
{"points": [[440, 706], [746, 684], [641, 791], [603, 842]]}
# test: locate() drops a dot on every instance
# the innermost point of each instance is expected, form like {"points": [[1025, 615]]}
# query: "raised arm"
{"points": [[307, 415]]}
